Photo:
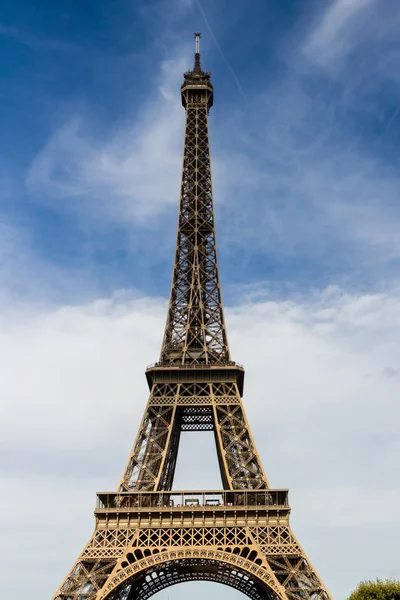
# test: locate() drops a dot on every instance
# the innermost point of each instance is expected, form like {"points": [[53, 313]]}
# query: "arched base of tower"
{"points": [[158, 577]]}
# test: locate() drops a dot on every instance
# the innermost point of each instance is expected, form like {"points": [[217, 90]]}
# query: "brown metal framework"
{"points": [[147, 535]]}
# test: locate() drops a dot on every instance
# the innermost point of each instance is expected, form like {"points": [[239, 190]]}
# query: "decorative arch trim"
{"points": [[227, 558]]}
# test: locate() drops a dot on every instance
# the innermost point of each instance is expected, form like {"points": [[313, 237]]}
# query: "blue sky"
{"points": [[305, 132], [304, 137]]}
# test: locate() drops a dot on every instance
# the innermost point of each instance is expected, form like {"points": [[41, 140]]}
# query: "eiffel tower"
{"points": [[149, 536]]}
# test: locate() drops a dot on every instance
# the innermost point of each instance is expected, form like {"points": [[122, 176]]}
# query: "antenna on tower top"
{"points": [[197, 67], [197, 37]]}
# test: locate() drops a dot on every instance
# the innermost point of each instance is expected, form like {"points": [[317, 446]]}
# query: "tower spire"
{"points": [[195, 331], [197, 67]]}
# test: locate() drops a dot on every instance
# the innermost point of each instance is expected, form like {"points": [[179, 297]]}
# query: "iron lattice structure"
{"points": [[147, 535]]}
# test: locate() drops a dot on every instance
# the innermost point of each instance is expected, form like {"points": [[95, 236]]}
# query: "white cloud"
{"points": [[132, 174], [334, 34], [322, 411], [73, 343], [21, 272], [345, 26]]}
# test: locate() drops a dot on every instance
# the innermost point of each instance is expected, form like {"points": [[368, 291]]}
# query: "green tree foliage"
{"points": [[387, 589]]}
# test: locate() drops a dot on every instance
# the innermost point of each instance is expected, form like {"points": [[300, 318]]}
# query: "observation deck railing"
{"points": [[220, 365], [190, 500]]}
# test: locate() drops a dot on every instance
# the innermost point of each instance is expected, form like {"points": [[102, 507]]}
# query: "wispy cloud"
{"points": [[356, 37], [338, 29], [131, 174], [390, 372]]}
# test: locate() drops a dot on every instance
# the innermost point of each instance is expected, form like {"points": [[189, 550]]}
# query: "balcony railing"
{"points": [[172, 364], [189, 500]]}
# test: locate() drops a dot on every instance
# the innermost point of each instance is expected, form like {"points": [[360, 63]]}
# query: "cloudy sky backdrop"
{"points": [[305, 134]]}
